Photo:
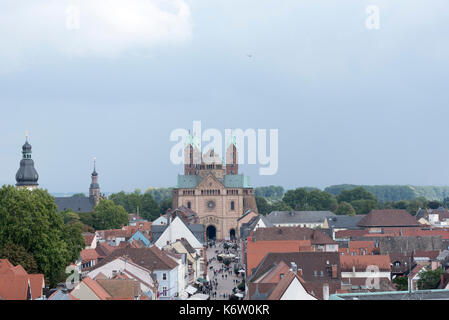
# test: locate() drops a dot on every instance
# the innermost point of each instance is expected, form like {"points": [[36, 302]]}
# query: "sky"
{"points": [[112, 79]]}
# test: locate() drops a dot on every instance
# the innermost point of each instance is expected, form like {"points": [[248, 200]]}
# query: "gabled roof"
{"points": [[150, 258], [104, 249], [344, 222], [120, 289], [311, 264], [284, 284], [88, 255], [292, 233], [361, 263], [17, 284], [196, 229], [98, 290], [388, 218], [78, 204], [284, 217], [89, 238]]}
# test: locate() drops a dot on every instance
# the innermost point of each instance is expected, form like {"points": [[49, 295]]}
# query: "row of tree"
{"points": [[348, 202], [144, 203], [394, 193]]}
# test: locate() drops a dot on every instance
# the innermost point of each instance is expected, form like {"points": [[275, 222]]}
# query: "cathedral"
{"points": [[214, 190], [27, 178]]}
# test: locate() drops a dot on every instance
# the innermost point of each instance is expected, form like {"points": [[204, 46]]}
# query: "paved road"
{"points": [[225, 284]]}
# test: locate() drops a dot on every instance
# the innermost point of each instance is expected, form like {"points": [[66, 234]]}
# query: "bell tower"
{"points": [[232, 166], [26, 176], [94, 190]]}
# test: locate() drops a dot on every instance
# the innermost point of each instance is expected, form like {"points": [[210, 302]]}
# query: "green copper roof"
{"points": [[229, 181], [188, 181], [236, 181]]}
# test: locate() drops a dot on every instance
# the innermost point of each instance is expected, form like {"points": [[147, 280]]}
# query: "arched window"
{"points": [[189, 205], [232, 205]]}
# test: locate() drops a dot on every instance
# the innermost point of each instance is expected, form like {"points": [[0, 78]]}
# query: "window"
{"points": [[189, 205], [232, 205], [164, 276], [164, 291]]}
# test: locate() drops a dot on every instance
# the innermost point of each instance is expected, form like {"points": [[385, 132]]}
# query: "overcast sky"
{"points": [[352, 104]]}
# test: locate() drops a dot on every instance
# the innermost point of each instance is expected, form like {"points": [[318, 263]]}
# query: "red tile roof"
{"points": [[388, 218], [88, 238], [98, 290], [88, 255], [257, 250], [15, 282], [361, 263], [292, 233]]}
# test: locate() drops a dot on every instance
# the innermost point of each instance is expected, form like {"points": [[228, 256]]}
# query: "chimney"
{"points": [[326, 291], [299, 273]]}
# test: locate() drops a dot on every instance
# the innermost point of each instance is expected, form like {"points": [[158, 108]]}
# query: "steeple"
{"points": [[232, 166], [27, 176], [94, 190]]}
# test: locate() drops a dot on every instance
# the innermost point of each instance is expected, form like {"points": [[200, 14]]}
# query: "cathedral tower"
{"points": [[232, 158]]}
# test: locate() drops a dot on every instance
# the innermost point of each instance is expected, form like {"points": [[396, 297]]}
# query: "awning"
{"points": [[242, 271], [191, 290], [239, 295], [199, 296], [202, 280]]}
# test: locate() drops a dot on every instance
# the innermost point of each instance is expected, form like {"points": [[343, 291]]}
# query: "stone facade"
{"points": [[217, 196]]}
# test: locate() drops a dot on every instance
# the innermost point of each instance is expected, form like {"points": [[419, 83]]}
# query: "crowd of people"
{"points": [[219, 272]]}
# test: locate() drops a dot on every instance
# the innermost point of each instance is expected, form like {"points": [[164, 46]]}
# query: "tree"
{"points": [[31, 219], [150, 208], [306, 199], [345, 208], [279, 206], [429, 279], [107, 215], [16, 254], [351, 195], [434, 204], [135, 202], [401, 283], [73, 236], [364, 206], [165, 205], [262, 205]]}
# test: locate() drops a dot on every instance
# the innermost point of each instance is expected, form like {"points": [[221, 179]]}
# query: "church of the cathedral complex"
{"points": [[214, 190]]}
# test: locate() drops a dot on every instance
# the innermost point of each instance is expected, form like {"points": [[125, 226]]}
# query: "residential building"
{"points": [[319, 270], [305, 219], [17, 284]]}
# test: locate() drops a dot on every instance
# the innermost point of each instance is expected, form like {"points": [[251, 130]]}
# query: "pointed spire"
{"points": [[95, 167]]}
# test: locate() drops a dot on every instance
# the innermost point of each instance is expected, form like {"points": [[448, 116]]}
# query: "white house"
{"points": [[290, 287], [176, 230]]}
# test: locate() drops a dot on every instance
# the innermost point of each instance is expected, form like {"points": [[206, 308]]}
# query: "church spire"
{"points": [[94, 190]]}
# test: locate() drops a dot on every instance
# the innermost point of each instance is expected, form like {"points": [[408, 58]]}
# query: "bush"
{"points": [[227, 262], [220, 258]]}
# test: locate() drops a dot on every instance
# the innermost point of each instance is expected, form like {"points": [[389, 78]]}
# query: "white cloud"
{"points": [[106, 28]]}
